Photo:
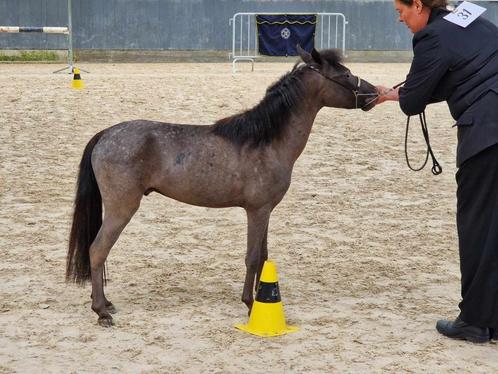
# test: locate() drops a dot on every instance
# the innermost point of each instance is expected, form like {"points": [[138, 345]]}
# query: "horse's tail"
{"points": [[87, 218]]}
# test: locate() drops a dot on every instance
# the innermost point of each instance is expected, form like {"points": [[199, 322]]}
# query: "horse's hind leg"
{"points": [[117, 216], [108, 304]]}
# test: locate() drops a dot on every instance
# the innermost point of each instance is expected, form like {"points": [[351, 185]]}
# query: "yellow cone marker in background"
{"points": [[267, 314], [77, 83]]}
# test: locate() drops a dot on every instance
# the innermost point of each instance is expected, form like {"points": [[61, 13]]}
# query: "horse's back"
{"points": [[186, 162], [130, 140]]}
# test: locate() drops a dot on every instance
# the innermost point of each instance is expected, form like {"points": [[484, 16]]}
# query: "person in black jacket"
{"points": [[460, 65]]}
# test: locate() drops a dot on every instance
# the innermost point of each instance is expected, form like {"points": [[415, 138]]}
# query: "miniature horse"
{"points": [[245, 160]]}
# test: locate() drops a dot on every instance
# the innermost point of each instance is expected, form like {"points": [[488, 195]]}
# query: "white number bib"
{"points": [[465, 14]]}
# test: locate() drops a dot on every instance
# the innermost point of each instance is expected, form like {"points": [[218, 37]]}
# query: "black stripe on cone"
{"points": [[268, 293]]}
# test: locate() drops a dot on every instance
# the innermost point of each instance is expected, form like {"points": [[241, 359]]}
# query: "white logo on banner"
{"points": [[285, 33]]}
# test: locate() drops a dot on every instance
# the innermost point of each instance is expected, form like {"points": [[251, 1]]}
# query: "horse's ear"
{"points": [[316, 56], [305, 56]]}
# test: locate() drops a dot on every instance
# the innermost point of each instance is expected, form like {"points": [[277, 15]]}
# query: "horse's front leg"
{"points": [[257, 226], [264, 257]]}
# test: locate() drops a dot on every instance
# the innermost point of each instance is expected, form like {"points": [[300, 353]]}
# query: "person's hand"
{"points": [[386, 94], [381, 90]]}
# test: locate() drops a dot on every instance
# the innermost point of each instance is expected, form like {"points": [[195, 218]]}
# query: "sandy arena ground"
{"points": [[366, 249]]}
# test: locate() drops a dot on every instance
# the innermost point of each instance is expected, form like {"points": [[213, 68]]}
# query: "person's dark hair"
{"points": [[428, 3]]}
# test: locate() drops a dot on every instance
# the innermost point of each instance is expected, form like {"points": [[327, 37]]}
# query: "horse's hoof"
{"points": [[106, 321], [111, 308]]}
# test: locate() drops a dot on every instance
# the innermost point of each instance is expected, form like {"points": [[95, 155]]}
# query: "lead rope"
{"points": [[436, 168]]}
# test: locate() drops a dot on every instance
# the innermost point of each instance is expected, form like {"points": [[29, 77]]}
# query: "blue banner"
{"points": [[278, 35]]}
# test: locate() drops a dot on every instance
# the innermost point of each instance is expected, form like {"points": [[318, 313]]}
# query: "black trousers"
{"points": [[477, 222]]}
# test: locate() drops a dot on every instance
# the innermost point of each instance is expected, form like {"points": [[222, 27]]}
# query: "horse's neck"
{"points": [[297, 132]]}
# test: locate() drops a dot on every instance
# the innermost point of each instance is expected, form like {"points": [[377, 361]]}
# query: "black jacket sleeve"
{"points": [[428, 67]]}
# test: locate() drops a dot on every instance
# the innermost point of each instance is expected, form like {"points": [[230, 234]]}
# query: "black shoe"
{"points": [[493, 335], [459, 329]]}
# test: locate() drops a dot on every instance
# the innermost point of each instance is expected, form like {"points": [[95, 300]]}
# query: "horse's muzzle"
{"points": [[367, 96], [370, 103]]}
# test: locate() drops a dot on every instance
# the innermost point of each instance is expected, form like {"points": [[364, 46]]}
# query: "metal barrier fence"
{"points": [[328, 34]]}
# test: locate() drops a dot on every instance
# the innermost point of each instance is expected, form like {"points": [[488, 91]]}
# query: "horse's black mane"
{"points": [[265, 122], [332, 56]]}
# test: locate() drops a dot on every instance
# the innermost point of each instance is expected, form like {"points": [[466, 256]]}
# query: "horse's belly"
{"points": [[202, 189]]}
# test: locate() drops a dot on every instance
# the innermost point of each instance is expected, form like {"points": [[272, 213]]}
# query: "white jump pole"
{"points": [[45, 30], [51, 30]]}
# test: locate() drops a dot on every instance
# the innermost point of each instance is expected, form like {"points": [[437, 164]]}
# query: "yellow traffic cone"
{"points": [[267, 315], [77, 83]]}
